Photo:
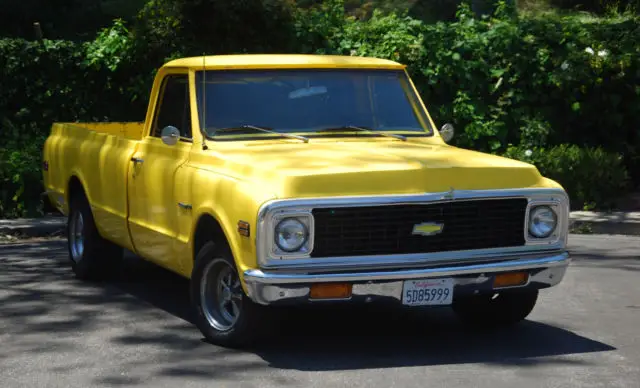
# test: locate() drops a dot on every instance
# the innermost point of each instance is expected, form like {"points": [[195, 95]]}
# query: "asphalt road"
{"points": [[58, 332]]}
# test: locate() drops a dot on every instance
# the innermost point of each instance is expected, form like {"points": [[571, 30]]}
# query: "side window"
{"points": [[173, 106]]}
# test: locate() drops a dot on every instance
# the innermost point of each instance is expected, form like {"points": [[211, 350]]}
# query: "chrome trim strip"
{"points": [[268, 289], [396, 199], [407, 260], [264, 231], [258, 276]]}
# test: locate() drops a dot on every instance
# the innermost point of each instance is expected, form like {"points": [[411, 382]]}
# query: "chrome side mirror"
{"points": [[170, 135], [446, 132]]}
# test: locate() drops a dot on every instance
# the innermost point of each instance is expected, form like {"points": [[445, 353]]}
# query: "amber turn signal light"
{"points": [[510, 279], [330, 291], [244, 228]]}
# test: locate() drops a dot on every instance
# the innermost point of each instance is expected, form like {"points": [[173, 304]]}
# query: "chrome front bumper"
{"points": [[274, 287]]}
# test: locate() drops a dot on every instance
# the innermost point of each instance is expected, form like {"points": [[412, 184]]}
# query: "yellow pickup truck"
{"points": [[300, 179]]}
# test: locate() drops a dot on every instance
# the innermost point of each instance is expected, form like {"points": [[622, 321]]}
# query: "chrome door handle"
{"points": [[184, 205], [137, 160]]}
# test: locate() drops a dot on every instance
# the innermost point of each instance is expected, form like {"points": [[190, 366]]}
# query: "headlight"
{"points": [[542, 221], [291, 235]]}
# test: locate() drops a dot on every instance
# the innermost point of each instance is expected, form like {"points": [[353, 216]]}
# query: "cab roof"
{"points": [[282, 61]]}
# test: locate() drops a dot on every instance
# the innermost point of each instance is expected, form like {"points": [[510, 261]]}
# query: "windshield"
{"points": [[306, 101]]}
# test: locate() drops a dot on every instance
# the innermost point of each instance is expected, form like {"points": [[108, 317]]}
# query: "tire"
{"points": [[486, 311], [227, 325], [92, 257]]}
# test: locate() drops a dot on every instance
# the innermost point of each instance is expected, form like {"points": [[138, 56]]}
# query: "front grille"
{"points": [[381, 230]]}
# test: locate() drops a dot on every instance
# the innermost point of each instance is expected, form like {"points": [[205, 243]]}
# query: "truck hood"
{"points": [[343, 168]]}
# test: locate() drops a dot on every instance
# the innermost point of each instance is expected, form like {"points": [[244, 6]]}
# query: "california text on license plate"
{"points": [[427, 292]]}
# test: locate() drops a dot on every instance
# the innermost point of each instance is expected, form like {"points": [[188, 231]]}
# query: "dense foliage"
{"points": [[62, 19], [47, 81], [592, 177], [565, 89], [598, 6]]}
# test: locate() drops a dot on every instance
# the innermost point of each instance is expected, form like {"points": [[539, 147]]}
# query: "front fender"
{"points": [[228, 201]]}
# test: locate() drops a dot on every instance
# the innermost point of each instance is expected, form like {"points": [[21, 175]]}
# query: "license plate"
{"points": [[427, 292]]}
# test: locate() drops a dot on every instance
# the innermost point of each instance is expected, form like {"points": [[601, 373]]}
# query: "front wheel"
{"points": [[224, 313], [504, 308]]}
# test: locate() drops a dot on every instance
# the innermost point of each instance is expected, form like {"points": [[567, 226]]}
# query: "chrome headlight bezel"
{"points": [[268, 225], [559, 205]]}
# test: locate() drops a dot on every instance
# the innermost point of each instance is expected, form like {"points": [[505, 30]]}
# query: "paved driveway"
{"points": [[58, 332]]}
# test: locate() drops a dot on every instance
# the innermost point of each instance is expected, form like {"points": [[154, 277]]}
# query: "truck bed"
{"points": [[131, 131], [97, 155]]}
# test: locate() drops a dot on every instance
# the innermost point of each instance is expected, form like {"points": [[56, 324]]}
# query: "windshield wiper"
{"points": [[363, 129], [261, 129]]}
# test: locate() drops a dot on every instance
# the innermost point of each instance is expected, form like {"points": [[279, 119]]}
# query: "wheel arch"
{"points": [[207, 229], [228, 202], [75, 187]]}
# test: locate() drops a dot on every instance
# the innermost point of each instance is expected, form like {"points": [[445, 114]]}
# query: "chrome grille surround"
{"points": [[276, 209]]}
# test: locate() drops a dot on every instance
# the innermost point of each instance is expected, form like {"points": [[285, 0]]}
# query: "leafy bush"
{"points": [[20, 179], [591, 176], [550, 84], [598, 6], [48, 81], [493, 77], [80, 18], [169, 28]]}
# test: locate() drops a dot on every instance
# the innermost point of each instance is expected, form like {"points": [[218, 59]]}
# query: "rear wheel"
{"points": [[92, 256], [224, 313], [499, 309]]}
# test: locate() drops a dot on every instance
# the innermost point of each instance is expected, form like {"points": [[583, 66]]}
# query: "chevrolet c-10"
{"points": [[305, 179]]}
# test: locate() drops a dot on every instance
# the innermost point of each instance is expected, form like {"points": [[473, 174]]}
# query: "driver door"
{"points": [[153, 208]]}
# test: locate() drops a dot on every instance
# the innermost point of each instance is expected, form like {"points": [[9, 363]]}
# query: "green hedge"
{"points": [[591, 176], [503, 81], [47, 81], [39, 84]]}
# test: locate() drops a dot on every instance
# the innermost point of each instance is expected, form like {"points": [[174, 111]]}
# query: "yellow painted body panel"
{"points": [[154, 211], [136, 205], [330, 167], [98, 155], [131, 131], [281, 61], [221, 192]]}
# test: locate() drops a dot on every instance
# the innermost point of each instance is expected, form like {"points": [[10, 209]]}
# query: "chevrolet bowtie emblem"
{"points": [[427, 229]]}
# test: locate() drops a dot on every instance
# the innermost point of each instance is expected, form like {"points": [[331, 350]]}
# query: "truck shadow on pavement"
{"points": [[38, 282]]}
